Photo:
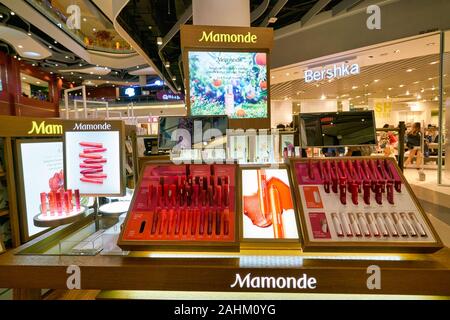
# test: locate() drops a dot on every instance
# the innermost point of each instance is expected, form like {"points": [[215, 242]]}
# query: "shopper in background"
{"points": [[388, 142], [413, 142]]}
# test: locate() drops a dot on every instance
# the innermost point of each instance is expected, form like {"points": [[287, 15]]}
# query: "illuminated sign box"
{"points": [[336, 71]]}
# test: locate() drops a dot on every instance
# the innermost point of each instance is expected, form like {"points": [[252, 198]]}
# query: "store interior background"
{"points": [[403, 74]]}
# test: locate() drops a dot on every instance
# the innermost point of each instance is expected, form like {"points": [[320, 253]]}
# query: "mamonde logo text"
{"points": [[43, 128], [227, 37], [303, 282]]}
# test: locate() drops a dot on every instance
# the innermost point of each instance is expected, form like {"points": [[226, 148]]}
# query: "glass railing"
{"points": [[94, 34]]}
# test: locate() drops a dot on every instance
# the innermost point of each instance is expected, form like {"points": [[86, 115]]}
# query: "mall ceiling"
{"points": [[147, 20]]}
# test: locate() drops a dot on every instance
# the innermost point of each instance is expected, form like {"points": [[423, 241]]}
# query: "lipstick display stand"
{"points": [[359, 204], [182, 207], [48, 220]]}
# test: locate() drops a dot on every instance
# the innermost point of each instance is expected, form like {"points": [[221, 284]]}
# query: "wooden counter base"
{"points": [[407, 274]]}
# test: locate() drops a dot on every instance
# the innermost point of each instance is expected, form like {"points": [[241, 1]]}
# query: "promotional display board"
{"points": [[359, 203], [41, 171], [182, 207], [94, 157], [268, 212], [227, 72]]}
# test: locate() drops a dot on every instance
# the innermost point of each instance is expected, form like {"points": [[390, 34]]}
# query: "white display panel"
{"points": [[103, 175], [256, 224], [42, 169]]}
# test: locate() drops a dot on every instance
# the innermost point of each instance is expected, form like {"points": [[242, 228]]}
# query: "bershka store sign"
{"points": [[336, 71], [266, 282]]}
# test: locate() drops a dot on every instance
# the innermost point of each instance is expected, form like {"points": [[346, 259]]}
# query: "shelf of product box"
{"points": [[182, 205], [359, 202]]}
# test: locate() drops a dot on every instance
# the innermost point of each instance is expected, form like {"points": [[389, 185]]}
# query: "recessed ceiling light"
{"points": [[430, 78], [137, 67], [174, 78], [159, 41], [355, 87], [407, 92], [272, 19], [81, 77], [38, 82], [401, 86], [23, 78], [29, 33], [51, 72], [167, 64], [99, 77], [19, 58], [20, 46], [1, 16], [93, 29], [13, 13], [71, 73], [67, 57], [410, 70], [272, 77], [80, 64], [62, 77], [55, 42], [150, 27], [91, 72], [389, 89], [376, 80], [323, 97], [436, 99], [434, 62], [84, 19], [419, 96], [34, 64], [50, 47]]}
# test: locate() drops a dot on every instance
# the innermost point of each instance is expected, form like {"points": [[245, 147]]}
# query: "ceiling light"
{"points": [[323, 97], [67, 57], [80, 64], [419, 97], [62, 77], [99, 77], [389, 89], [56, 64], [436, 99], [107, 81], [13, 13], [93, 29], [20, 46], [80, 77], [34, 64], [50, 47], [19, 58], [174, 78], [56, 42], [71, 73], [91, 72], [355, 87], [150, 27], [397, 51], [430, 78], [167, 64], [387, 97], [137, 67], [416, 82], [15, 57], [273, 19], [357, 97], [1, 16], [376, 80], [272, 77], [434, 62], [159, 41], [407, 92], [401, 86], [29, 33], [84, 19], [51, 72], [431, 44], [23, 78], [410, 70], [38, 82]]}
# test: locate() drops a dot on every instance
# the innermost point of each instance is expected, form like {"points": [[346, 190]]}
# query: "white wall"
{"points": [[221, 13], [308, 106], [281, 112]]}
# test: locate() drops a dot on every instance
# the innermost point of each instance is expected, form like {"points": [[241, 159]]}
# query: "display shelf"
{"points": [[47, 220]]}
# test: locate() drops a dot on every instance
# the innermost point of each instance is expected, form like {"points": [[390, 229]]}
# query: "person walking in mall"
{"points": [[413, 142]]}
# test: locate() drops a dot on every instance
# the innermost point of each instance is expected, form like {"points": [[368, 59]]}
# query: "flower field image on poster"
{"points": [[228, 83]]}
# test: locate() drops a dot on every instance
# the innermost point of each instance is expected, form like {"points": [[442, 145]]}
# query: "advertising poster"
{"points": [[268, 210], [228, 83], [93, 159], [42, 169]]}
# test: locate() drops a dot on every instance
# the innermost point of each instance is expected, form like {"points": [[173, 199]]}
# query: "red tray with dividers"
{"points": [[182, 207]]}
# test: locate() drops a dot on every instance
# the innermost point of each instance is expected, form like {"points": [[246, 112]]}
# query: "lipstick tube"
{"points": [[333, 176], [390, 191], [203, 193], [354, 192], [166, 194], [66, 203], [210, 222], [162, 226], [226, 221], [172, 194], [343, 190], [337, 225], [188, 195], [210, 195], [159, 195], [155, 221], [366, 192], [390, 225], [378, 193], [381, 224], [43, 203], [177, 221], [195, 216], [399, 224], [181, 195], [77, 199], [346, 225], [218, 221], [185, 221], [226, 195], [372, 225], [52, 203], [218, 196], [170, 223], [195, 194], [69, 191], [59, 203], [363, 224], [276, 210], [407, 224], [420, 229], [201, 228], [354, 225]]}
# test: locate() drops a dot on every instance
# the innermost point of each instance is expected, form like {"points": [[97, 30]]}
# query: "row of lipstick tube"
{"points": [[200, 191], [377, 225], [59, 202], [189, 222]]}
